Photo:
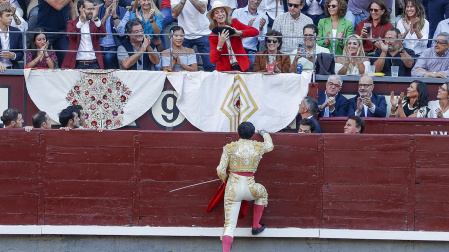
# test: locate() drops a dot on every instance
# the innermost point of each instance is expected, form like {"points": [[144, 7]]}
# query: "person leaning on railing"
{"points": [[413, 104], [273, 42], [440, 107], [350, 63], [44, 57], [183, 58]]}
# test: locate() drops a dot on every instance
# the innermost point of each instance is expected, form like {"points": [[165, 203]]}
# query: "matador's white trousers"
{"points": [[240, 188]]}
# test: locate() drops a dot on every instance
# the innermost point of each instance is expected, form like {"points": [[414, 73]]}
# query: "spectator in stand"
{"points": [[358, 10], [402, 57], [436, 68], [291, 25], [224, 26], [306, 126], [249, 15], [442, 26], [306, 56], [11, 45], [440, 107], [335, 26], [166, 12], [43, 58], [183, 59], [414, 104], [273, 8], [12, 118], [69, 119], [131, 53], [438, 9], [230, 3], [41, 120], [52, 17], [87, 44], [350, 63], [414, 27], [32, 13], [307, 109], [354, 125], [332, 102], [314, 9], [151, 18], [191, 15], [379, 19], [112, 17], [365, 103], [273, 42], [18, 22]]}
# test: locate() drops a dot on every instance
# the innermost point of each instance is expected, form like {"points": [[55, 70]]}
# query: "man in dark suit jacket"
{"points": [[332, 103], [367, 104], [85, 44], [9, 57], [307, 109]]}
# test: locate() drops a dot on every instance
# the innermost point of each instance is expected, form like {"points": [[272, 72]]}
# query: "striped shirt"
{"points": [[291, 27]]}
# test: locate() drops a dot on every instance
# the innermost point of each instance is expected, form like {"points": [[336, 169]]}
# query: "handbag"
{"points": [[325, 64]]}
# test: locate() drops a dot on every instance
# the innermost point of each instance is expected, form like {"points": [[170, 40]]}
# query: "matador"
{"points": [[242, 158]]}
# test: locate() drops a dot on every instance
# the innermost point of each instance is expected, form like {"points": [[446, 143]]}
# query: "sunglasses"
{"points": [[293, 5], [332, 6], [272, 41], [373, 10]]}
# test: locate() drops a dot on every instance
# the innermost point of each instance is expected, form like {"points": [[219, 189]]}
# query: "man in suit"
{"points": [[332, 102], [89, 24], [9, 40], [307, 109], [367, 104]]}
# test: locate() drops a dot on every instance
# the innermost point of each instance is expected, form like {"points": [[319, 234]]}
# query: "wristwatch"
{"points": [[219, 48]]}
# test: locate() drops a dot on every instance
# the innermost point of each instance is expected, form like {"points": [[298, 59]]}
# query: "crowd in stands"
{"points": [[243, 35]]}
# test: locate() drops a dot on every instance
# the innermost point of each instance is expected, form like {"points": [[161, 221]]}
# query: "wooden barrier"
{"points": [[375, 182]]}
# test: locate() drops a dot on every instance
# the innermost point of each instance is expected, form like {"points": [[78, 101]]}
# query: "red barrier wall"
{"points": [[383, 182]]}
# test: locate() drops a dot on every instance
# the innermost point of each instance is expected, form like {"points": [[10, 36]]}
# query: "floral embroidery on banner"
{"points": [[103, 97]]}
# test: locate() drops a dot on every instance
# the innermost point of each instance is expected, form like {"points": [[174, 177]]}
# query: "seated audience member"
{"points": [[12, 118], [43, 58], [250, 16], [393, 48], [224, 43], [414, 27], [11, 42], [274, 43], [131, 53], [112, 17], [151, 17], [18, 22], [314, 9], [437, 9], [87, 45], [436, 68], [306, 126], [354, 125], [183, 59], [69, 119], [41, 120], [272, 8], [442, 27], [380, 23], [351, 63], [306, 56], [365, 103], [440, 107], [291, 25], [307, 109], [358, 10], [332, 102], [335, 26], [414, 104]]}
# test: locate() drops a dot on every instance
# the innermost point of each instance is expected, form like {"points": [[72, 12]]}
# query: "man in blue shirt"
{"points": [[249, 15]]}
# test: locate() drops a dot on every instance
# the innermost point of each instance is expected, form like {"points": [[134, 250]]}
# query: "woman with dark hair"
{"points": [[335, 26], [440, 107], [151, 17], [414, 27], [414, 104], [375, 26], [42, 58], [273, 41], [229, 40], [183, 58]]}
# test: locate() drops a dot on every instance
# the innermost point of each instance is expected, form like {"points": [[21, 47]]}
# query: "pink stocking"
{"points": [[227, 242], [258, 210]]}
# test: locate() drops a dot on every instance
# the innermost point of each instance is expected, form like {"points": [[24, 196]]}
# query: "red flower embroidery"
{"points": [[123, 98], [75, 102], [108, 122], [104, 80], [124, 89], [87, 92], [69, 98], [92, 98], [105, 97], [106, 105], [117, 123], [122, 112], [94, 123], [118, 83], [128, 92], [93, 107], [99, 102], [109, 90], [90, 81], [72, 94], [76, 88]]}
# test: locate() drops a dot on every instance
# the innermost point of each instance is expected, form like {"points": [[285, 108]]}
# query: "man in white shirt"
{"points": [[291, 25], [87, 44], [18, 22], [11, 40], [272, 8], [191, 15]]}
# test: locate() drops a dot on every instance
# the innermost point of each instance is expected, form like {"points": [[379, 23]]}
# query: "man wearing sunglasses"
{"points": [[291, 25], [367, 104], [438, 67]]}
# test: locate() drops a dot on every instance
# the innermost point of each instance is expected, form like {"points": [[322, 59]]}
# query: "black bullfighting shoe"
{"points": [[256, 231]]}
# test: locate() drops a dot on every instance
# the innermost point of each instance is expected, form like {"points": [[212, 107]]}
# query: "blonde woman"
{"points": [[414, 27], [349, 64], [440, 107], [147, 12]]}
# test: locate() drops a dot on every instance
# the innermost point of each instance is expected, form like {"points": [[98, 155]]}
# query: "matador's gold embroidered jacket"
{"points": [[243, 156]]}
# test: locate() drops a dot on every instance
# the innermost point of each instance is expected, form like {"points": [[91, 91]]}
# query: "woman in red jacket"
{"points": [[229, 40]]}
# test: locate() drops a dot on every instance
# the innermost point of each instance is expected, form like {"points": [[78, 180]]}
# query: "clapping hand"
{"points": [[82, 15], [439, 113], [251, 22], [262, 24], [222, 37]]}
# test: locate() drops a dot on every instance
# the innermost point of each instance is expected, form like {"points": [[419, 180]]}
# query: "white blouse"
{"points": [[355, 70], [418, 46], [433, 105]]}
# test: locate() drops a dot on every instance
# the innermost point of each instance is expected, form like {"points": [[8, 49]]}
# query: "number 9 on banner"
{"points": [[165, 113]]}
